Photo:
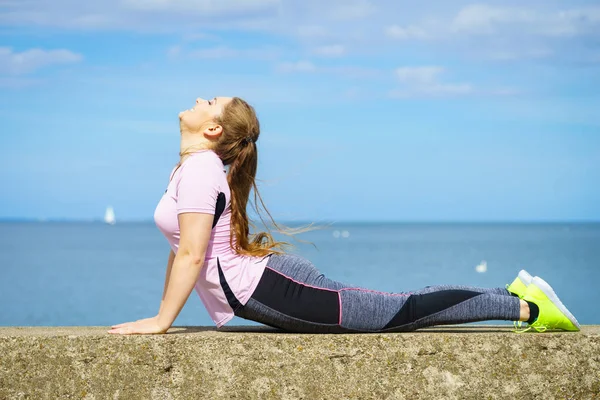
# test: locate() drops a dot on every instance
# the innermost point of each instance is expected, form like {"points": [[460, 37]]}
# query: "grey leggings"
{"points": [[294, 296]]}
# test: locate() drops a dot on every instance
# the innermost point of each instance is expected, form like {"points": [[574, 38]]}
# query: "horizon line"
{"points": [[317, 222]]}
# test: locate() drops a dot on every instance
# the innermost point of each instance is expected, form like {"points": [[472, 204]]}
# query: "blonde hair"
{"points": [[237, 148]]}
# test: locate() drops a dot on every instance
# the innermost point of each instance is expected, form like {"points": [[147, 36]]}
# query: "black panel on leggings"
{"points": [[296, 300], [234, 303], [418, 306], [219, 208]]}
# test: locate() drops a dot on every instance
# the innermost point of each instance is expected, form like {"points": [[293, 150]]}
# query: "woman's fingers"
{"points": [[119, 330], [132, 322], [141, 326], [124, 328], [123, 324]]}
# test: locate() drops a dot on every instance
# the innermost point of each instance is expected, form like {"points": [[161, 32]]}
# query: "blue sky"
{"points": [[370, 110]]}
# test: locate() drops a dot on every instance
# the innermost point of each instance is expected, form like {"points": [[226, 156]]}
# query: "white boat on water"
{"points": [[109, 216], [481, 267]]}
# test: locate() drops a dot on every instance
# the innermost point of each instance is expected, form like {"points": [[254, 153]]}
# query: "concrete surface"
{"points": [[462, 362]]}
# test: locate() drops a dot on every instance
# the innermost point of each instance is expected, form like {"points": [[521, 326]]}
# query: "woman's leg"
{"points": [[293, 295], [428, 289], [453, 307]]}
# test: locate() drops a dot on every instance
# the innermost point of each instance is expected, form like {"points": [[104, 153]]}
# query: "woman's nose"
{"points": [[198, 100]]}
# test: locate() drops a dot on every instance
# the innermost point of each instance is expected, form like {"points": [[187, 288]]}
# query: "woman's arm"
{"points": [[167, 276], [194, 235]]}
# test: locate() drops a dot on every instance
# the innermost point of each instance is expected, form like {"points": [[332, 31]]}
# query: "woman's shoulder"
{"points": [[206, 159]]}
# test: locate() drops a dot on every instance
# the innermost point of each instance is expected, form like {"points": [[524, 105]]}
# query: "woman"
{"points": [[203, 216]]}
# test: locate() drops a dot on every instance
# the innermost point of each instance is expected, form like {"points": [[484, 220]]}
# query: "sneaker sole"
{"points": [[549, 292], [525, 277]]}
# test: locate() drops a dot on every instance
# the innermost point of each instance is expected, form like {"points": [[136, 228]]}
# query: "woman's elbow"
{"points": [[191, 257]]}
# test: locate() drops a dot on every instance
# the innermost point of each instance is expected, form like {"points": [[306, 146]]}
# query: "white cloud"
{"points": [[224, 52], [336, 50], [447, 89], [298, 66], [311, 18], [435, 90], [356, 9], [306, 18], [406, 33], [216, 52], [487, 20], [483, 19], [418, 75], [139, 15], [346, 71], [519, 54], [493, 29], [192, 37], [311, 31], [424, 81], [174, 51], [200, 6], [28, 61]]}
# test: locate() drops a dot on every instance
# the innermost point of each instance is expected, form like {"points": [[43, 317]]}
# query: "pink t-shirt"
{"points": [[194, 187]]}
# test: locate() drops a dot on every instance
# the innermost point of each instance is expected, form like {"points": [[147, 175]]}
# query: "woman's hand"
{"points": [[147, 326]]}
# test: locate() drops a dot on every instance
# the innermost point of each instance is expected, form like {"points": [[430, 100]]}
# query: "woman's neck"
{"points": [[190, 144]]}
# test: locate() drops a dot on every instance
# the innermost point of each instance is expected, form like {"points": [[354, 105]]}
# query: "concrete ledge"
{"points": [[471, 362]]}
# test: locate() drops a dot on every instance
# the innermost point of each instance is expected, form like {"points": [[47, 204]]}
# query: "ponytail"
{"points": [[237, 148]]}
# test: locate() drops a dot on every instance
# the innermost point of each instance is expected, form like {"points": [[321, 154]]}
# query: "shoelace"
{"points": [[518, 324]]}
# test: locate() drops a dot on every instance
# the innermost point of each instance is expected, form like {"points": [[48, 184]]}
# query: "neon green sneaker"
{"points": [[519, 285], [552, 312]]}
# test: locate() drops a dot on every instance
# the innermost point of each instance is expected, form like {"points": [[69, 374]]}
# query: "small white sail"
{"points": [[109, 216], [482, 267]]}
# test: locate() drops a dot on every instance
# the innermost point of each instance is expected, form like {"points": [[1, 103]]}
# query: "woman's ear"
{"points": [[213, 131]]}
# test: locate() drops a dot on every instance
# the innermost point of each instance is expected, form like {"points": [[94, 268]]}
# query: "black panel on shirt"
{"points": [[234, 303], [219, 208]]}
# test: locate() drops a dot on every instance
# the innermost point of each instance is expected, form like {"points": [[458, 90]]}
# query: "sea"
{"points": [[94, 274]]}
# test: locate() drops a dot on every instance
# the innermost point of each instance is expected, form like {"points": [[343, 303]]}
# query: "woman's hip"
{"points": [[302, 271], [288, 285], [293, 294]]}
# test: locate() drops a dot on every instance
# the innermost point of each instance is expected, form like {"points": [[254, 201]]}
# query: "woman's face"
{"points": [[202, 114]]}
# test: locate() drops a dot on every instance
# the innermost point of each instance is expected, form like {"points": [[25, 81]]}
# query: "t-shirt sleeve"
{"points": [[198, 187]]}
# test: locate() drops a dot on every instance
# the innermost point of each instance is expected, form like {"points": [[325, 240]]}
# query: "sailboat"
{"points": [[109, 216]]}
